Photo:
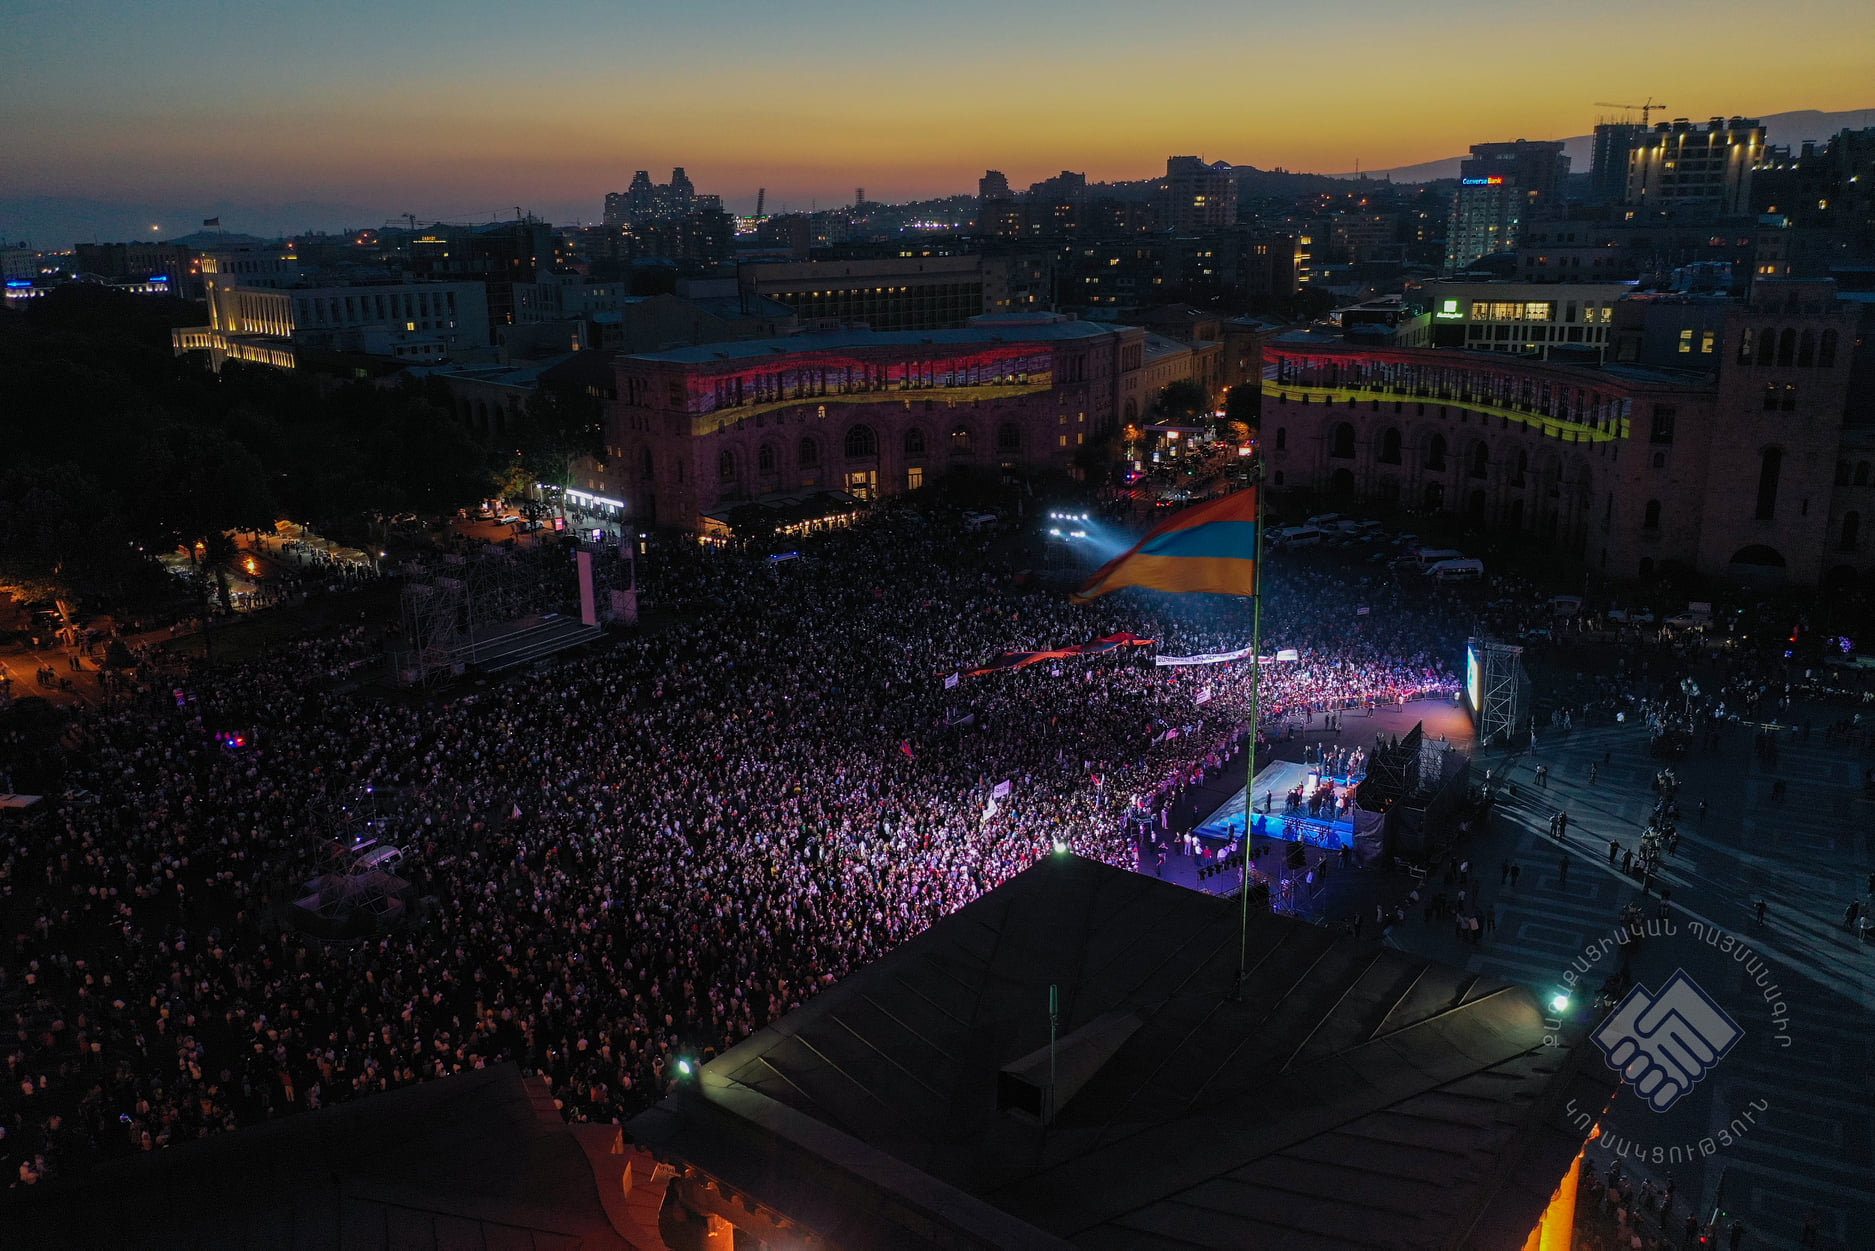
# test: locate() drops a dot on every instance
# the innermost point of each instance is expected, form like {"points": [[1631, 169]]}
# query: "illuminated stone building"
{"points": [[1725, 461], [698, 430]]}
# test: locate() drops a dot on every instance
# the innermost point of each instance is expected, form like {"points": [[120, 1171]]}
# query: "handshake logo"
{"points": [[1662, 1044]]}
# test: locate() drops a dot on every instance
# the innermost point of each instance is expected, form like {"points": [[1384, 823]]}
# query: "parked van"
{"points": [[1323, 520], [1299, 536], [1424, 558], [1461, 570]]}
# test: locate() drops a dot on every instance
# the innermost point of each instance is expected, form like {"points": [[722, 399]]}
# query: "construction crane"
{"points": [[1645, 109]]}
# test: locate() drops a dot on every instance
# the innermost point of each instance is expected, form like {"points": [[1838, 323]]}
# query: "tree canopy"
{"points": [[117, 449], [1184, 399]]}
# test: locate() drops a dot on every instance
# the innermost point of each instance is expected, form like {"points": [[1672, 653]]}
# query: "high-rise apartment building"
{"points": [[1608, 162], [1487, 217], [994, 185], [1827, 188], [1195, 196], [1535, 167], [1681, 165], [646, 201], [1501, 186]]}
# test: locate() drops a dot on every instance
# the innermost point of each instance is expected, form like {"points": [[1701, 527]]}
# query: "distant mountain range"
{"points": [[55, 222], [1789, 129]]}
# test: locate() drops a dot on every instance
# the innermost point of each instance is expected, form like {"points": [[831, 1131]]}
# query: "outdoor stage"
{"points": [[1278, 780]]}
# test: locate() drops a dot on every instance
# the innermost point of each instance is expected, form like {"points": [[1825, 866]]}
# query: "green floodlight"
{"points": [[1060, 847], [1559, 1003], [683, 1067]]}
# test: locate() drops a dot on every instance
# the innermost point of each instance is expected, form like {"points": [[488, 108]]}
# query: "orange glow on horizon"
{"points": [[442, 116]]}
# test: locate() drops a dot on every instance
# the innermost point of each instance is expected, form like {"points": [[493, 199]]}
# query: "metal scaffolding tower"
{"points": [[1498, 691]]}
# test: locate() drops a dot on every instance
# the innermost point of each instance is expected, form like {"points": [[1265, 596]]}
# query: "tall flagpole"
{"points": [[1250, 749]]}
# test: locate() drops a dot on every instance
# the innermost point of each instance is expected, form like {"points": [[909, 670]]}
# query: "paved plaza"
{"points": [[1809, 1140]]}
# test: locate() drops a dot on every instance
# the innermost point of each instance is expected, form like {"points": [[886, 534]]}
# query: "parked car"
{"points": [[1462, 569]]}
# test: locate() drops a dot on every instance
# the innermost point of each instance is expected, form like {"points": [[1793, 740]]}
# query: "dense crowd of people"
{"points": [[617, 861]]}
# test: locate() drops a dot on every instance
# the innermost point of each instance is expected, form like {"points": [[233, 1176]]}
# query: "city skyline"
{"points": [[442, 113]]}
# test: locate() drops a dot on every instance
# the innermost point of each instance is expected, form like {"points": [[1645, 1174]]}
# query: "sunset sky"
{"points": [[455, 109]]}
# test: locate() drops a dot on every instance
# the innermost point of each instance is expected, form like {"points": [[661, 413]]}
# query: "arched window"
{"points": [[726, 466], [650, 467], [1652, 520], [1787, 347], [1523, 467], [914, 442], [1842, 473], [1806, 349], [806, 454], [1343, 448], [1767, 345], [1826, 352], [1769, 467], [1480, 460], [960, 439], [859, 442], [1861, 473], [1009, 437], [1282, 437], [1132, 411], [1744, 347], [1435, 452], [1390, 446], [1851, 531], [765, 458]]}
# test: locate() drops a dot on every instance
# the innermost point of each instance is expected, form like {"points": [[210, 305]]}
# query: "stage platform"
{"points": [[1279, 780]]}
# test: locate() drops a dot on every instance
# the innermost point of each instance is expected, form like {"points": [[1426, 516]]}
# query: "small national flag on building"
{"points": [[1211, 547], [211, 221]]}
